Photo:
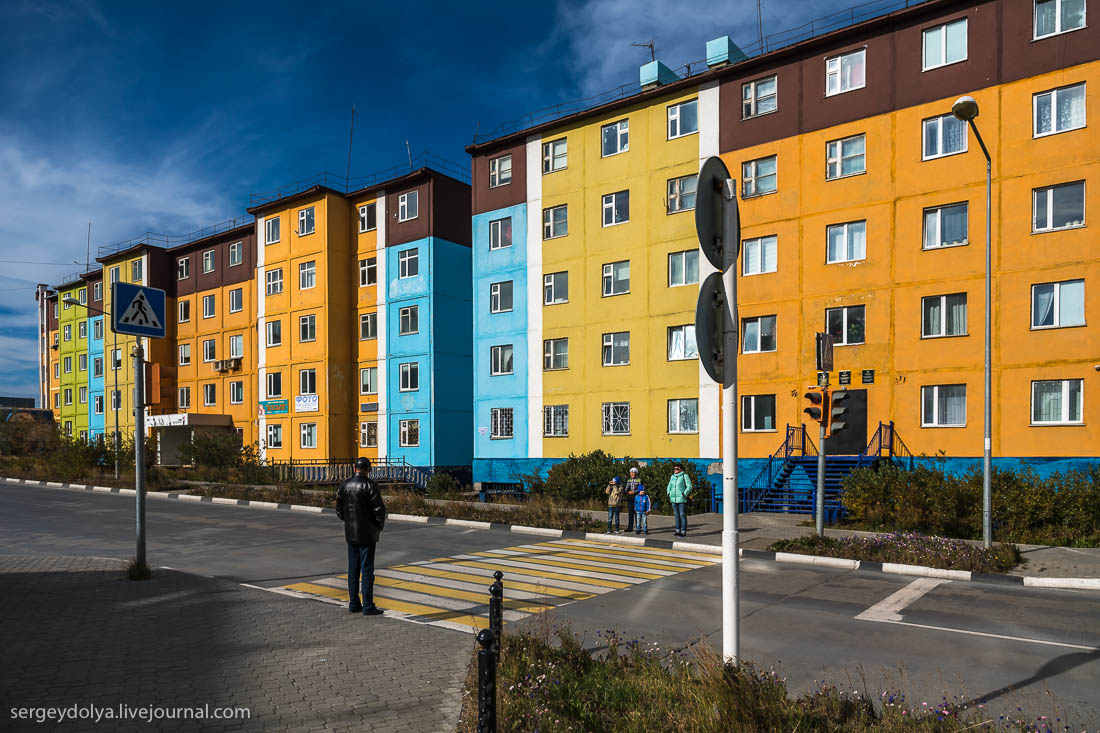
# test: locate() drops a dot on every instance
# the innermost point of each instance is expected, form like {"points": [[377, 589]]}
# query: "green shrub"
{"points": [[442, 485]]}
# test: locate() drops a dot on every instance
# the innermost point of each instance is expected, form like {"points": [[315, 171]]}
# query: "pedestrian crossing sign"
{"points": [[137, 310]]}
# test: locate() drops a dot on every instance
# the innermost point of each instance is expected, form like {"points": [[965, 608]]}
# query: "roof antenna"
{"points": [[408, 150], [351, 133], [760, 26], [88, 252], [650, 45]]}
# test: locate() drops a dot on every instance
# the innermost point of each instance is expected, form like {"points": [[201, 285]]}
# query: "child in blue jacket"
{"points": [[641, 508]]}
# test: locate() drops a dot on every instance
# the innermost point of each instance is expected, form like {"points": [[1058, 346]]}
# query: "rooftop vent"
{"points": [[655, 74], [722, 51]]}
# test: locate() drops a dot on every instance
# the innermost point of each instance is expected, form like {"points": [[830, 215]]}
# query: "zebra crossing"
{"points": [[452, 591]]}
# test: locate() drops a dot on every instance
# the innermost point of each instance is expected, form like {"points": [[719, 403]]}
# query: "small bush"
{"points": [[443, 485], [138, 570], [908, 548]]}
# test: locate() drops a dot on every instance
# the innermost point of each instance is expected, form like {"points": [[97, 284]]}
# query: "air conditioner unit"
{"points": [[235, 362], [221, 365]]}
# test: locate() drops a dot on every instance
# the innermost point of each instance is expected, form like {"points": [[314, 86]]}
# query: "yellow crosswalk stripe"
{"points": [[413, 609], [678, 554], [464, 595], [620, 561], [320, 590], [541, 589], [538, 560], [512, 570]]}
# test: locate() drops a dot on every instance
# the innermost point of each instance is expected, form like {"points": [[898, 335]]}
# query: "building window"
{"points": [[208, 261], [236, 393], [760, 255], [307, 275], [846, 325], [555, 354], [305, 221], [183, 268], [368, 326], [1059, 110], [683, 268], [273, 280], [208, 306], [759, 97], [68, 362], [555, 155], [115, 274], [82, 296], [555, 421], [67, 332], [68, 397], [56, 400], [274, 333], [136, 271], [500, 233], [185, 354], [97, 329], [758, 413], [97, 366], [945, 44], [368, 271], [409, 320], [97, 404], [846, 242], [236, 300], [1058, 207], [184, 398], [410, 376], [845, 72], [946, 226], [555, 287], [274, 384], [758, 177], [500, 422], [616, 278], [1057, 402], [683, 119], [616, 348], [681, 193], [209, 352], [271, 230], [82, 362], [368, 434], [408, 263], [943, 405], [500, 171], [209, 395], [309, 435], [97, 291], [82, 330], [307, 381], [616, 208], [236, 254], [368, 217], [616, 418], [307, 328], [500, 360], [846, 157], [116, 359], [615, 138], [116, 399], [409, 433], [500, 297], [368, 380], [555, 222], [236, 347], [681, 343], [275, 436], [944, 135], [408, 206], [683, 416], [184, 309], [943, 315], [1058, 305], [758, 334], [1058, 16], [82, 395]]}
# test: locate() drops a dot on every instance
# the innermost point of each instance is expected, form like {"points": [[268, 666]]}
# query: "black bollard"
{"points": [[496, 607], [487, 682]]}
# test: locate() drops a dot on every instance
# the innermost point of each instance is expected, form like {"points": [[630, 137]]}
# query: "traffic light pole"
{"points": [[819, 503], [731, 612]]}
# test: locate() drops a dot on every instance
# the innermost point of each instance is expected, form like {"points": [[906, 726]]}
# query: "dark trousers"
{"points": [[612, 515], [679, 511], [361, 563], [630, 513]]}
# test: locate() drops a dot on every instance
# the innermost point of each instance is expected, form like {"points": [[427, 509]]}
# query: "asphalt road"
{"points": [[1028, 648]]}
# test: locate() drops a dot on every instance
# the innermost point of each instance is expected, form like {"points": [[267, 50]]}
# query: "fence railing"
{"points": [[488, 657], [165, 241], [330, 471]]}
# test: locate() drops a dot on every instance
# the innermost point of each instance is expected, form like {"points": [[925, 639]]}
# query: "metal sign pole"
{"points": [[139, 448], [731, 612], [819, 504]]}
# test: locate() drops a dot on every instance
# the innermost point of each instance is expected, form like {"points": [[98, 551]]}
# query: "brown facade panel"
{"points": [[736, 132], [876, 98], [92, 280], [223, 273], [451, 210], [498, 197], [1023, 56], [399, 232], [51, 317]]}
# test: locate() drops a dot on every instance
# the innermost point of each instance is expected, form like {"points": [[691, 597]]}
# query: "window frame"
{"points": [[497, 423], [209, 306], [273, 285], [137, 270], [939, 210], [209, 394], [408, 320], [236, 392], [497, 361], [839, 58], [368, 380], [406, 202], [366, 213], [274, 379], [761, 243], [274, 436], [239, 292], [550, 354], [1035, 134], [308, 321], [272, 226], [678, 117], [183, 397], [760, 333], [308, 436], [307, 217], [668, 342], [368, 323], [610, 205], [183, 268], [307, 381], [368, 272], [677, 195], [924, 334], [754, 99], [552, 417], [678, 402], [1066, 419], [1057, 305], [496, 296], [622, 129], [209, 350], [183, 311], [607, 410], [406, 428], [752, 166], [683, 254], [236, 254], [499, 173], [409, 376], [847, 242], [939, 119], [608, 280], [496, 233], [183, 354], [209, 262], [550, 225], [844, 324], [550, 288], [307, 271], [550, 156], [1050, 207], [236, 340], [1058, 20], [408, 263], [368, 438], [840, 157], [924, 423], [608, 349], [273, 327], [943, 44], [751, 414]]}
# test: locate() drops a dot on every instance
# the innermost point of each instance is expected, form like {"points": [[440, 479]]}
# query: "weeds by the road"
{"points": [[909, 548], [138, 570], [536, 512], [276, 494], [550, 682]]}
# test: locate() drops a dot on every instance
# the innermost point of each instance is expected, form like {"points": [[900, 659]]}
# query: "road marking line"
{"points": [[610, 561], [510, 591], [478, 597], [604, 571], [557, 580], [890, 608], [542, 569], [657, 552], [541, 589], [991, 636]]}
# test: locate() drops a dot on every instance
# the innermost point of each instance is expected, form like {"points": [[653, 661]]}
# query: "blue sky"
{"points": [[164, 117]]}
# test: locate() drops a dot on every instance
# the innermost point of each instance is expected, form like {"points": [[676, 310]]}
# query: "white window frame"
{"points": [[550, 288], [308, 433], [409, 372], [834, 66], [137, 270], [496, 296], [67, 332], [82, 395], [307, 275], [183, 268], [115, 273], [368, 325], [622, 137], [408, 263], [366, 213], [69, 400], [610, 207], [496, 233], [408, 320], [755, 263], [97, 367], [209, 395], [1054, 94], [1059, 30], [941, 327], [551, 155], [82, 362], [274, 332], [1049, 192], [1066, 418], [685, 256], [236, 392], [750, 99], [936, 421], [184, 397], [67, 365], [500, 170], [236, 346], [610, 349], [750, 178], [239, 305], [844, 324], [552, 228], [307, 381], [368, 380], [236, 254], [209, 350], [612, 412], [116, 359], [550, 354], [208, 262], [555, 421], [679, 197], [209, 306], [184, 355], [758, 346], [675, 116], [407, 431], [749, 410], [368, 434], [408, 206], [183, 311], [275, 436], [271, 230], [368, 271], [1057, 305], [97, 404], [307, 221], [685, 330], [307, 324], [273, 281], [938, 211], [939, 120], [942, 28], [97, 291], [501, 423], [497, 360], [274, 384], [82, 330], [836, 156], [674, 406], [848, 246], [608, 280]]}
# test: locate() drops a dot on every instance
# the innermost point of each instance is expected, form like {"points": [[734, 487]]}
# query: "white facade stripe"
{"points": [[534, 297]]}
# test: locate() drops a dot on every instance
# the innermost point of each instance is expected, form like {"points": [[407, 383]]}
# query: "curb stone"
{"points": [[784, 557]]}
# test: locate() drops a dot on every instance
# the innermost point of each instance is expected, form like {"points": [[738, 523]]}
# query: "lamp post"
{"points": [[114, 401], [966, 109]]}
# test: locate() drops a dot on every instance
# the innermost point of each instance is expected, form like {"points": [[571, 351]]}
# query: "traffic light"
{"points": [[816, 396], [837, 409]]}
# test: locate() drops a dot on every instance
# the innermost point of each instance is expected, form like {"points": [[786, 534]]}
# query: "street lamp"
{"points": [[115, 398], [966, 109]]}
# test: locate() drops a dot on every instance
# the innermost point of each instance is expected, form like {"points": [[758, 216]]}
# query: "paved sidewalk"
{"points": [[75, 631]]}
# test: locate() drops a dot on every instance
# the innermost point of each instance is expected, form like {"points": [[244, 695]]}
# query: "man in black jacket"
{"points": [[359, 504]]}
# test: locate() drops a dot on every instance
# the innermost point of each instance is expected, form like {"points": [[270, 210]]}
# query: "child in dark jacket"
{"points": [[641, 508]]}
